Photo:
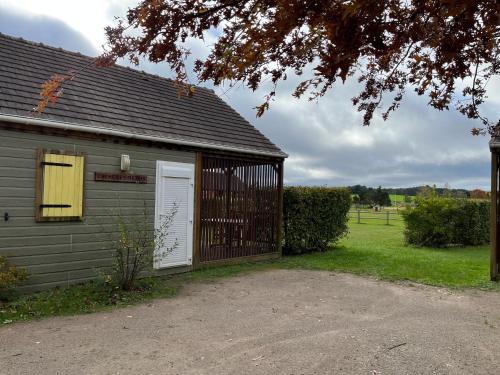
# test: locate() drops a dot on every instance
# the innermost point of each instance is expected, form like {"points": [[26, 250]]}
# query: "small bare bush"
{"points": [[138, 246], [10, 276]]}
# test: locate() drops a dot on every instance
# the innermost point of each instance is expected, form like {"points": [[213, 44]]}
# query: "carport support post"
{"points": [[494, 148]]}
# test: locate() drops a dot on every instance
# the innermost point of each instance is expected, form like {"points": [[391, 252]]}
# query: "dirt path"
{"points": [[274, 322]]}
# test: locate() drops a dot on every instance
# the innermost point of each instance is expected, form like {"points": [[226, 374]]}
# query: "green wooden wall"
{"points": [[60, 253]]}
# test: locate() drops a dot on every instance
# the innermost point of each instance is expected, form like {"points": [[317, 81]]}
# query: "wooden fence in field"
{"points": [[359, 216]]}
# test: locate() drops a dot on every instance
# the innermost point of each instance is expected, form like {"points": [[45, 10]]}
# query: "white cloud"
{"points": [[89, 17]]}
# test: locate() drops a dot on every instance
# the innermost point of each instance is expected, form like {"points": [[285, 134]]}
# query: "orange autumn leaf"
{"points": [[51, 91]]}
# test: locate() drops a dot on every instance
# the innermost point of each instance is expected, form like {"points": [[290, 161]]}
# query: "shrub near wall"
{"points": [[314, 217], [438, 221], [10, 276]]}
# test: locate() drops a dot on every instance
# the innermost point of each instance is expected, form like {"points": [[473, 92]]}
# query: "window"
{"points": [[59, 190]]}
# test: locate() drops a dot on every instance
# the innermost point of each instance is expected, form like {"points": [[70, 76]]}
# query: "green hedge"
{"points": [[438, 221], [314, 217]]}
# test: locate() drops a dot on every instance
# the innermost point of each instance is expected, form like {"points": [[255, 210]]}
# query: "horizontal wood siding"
{"points": [[61, 253]]}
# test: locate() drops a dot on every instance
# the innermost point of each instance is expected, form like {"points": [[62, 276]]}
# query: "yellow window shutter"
{"points": [[62, 186]]}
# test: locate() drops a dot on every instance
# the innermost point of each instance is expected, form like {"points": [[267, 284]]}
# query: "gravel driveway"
{"points": [[273, 322]]}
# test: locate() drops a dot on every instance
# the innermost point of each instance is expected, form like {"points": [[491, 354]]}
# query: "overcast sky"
{"points": [[325, 140]]}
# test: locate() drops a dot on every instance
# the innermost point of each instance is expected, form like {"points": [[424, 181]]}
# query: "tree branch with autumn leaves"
{"points": [[388, 46]]}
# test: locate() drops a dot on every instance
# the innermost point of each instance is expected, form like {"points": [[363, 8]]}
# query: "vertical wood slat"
{"points": [[246, 211], [494, 215], [202, 202], [279, 218], [207, 178], [198, 230], [497, 218], [222, 210], [276, 200], [218, 198], [255, 217], [270, 207], [213, 215], [225, 211], [263, 210], [227, 218], [239, 207]]}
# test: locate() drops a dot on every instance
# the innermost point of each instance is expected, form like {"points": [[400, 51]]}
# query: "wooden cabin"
{"points": [[121, 140]]}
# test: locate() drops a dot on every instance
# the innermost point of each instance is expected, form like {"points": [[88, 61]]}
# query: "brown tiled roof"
{"points": [[120, 99]]}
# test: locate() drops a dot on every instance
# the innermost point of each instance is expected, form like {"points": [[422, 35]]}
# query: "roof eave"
{"points": [[96, 130]]}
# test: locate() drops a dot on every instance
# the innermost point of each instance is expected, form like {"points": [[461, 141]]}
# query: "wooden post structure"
{"points": [[280, 234], [198, 170], [229, 232], [494, 243]]}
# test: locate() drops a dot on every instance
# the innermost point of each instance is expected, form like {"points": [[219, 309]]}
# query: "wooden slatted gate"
{"points": [[240, 210]]}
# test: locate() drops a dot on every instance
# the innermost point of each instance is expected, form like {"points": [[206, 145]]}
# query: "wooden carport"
{"points": [[239, 210]]}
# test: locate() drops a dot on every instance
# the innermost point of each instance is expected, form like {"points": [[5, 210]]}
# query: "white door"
{"points": [[175, 188]]}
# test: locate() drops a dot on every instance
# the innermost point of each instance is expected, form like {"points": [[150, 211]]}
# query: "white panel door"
{"points": [[175, 188]]}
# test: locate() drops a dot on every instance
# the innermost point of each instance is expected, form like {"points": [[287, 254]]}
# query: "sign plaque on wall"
{"points": [[120, 177]]}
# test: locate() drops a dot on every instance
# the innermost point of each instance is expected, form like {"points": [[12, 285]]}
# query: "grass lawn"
{"points": [[400, 198], [371, 249], [378, 250]]}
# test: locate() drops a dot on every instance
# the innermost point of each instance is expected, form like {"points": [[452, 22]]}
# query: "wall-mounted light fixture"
{"points": [[125, 163]]}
